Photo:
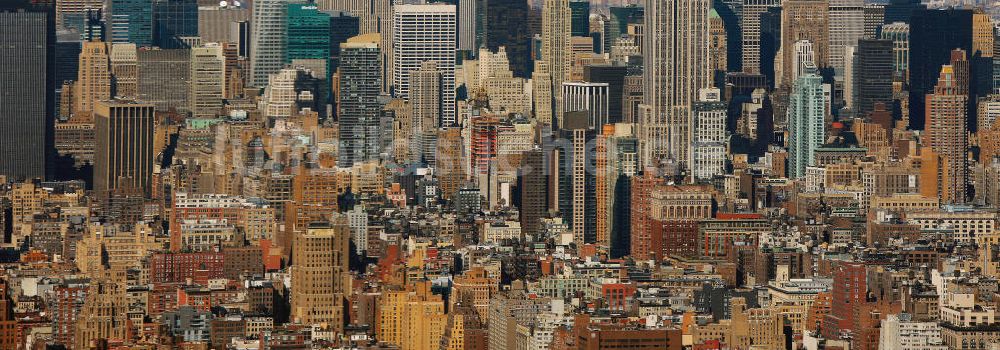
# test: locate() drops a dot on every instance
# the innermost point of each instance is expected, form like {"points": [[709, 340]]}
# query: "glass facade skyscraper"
{"points": [[308, 33], [174, 19], [131, 21]]}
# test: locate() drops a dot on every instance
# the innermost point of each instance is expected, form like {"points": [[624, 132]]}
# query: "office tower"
{"points": [[675, 68], [507, 25], [615, 162], [208, 73], [174, 21], [73, 13], [104, 314], [847, 25], [873, 75], [750, 26], [307, 34], [577, 196], [343, 26], [123, 156], [874, 20], [483, 143], [541, 92], [708, 142], [470, 24], [770, 45], [319, 268], [93, 26], [267, 48], [946, 126], [806, 112], [556, 49], [94, 81], [425, 33], [618, 20], [130, 21], [902, 10], [426, 101], [631, 98], [899, 34], [450, 162], [124, 70], [804, 20], [27, 77], [614, 76], [164, 77], [360, 84], [933, 35], [579, 13], [215, 23], [590, 98], [534, 180], [718, 47]]}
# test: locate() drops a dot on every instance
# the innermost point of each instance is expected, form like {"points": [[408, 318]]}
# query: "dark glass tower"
{"points": [[579, 13], [360, 84], [131, 21], [507, 25], [902, 10], [27, 79], [873, 75], [174, 19], [933, 35]]}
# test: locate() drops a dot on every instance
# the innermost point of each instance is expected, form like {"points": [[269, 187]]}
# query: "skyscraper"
{"points": [[307, 33], [123, 156], [806, 112], [590, 98], [946, 126], [130, 21], [579, 12], [124, 70], [94, 81], [933, 35], [750, 25], [556, 49], [164, 76], [27, 81], [708, 142], [534, 191], [360, 84], [676, 67], [507, 25], [425, 99], [577, 186], [267, 51], [873, 74], [425, 33], [899, 34], [174, 21], [804, 20], [847, 25], [208, 74], [614, 76], [319, 286]]}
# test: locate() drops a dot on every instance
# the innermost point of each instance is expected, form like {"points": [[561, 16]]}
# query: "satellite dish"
{"points": [[223, 3], [237, 3]]}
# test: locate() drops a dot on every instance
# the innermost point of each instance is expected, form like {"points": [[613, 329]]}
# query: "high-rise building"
{"points": [[618, 21], [590, 98], [267, 49], [847, 25], [507, 25], [215, 23], [174, 22], [873, 74], [899, 34], [471, 14], [804, 20], [933, 35], [426, 101], [718, 45], [164, 76], [104, 314], [27, 60], [614, 76], [750, 26], [541, 93], [125, 70], [307, 33], [579, 13], [73, 13], [94, 81], [208, 73], [343, 26], [123, 155], [534, 191], [360, 84], [130, 21], [319, 274], [806, 124], [947, 128], [902, 10], [425, 33], [577, 186], [874, 19], [675, 69], [556, 50], [708, 139], [615, 163]]}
